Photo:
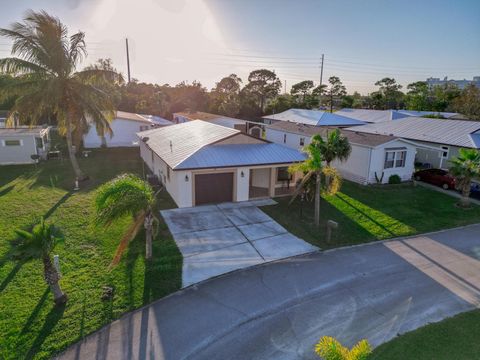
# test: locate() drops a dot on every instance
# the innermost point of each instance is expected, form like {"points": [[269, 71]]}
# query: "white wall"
{"points": [[18, 154], [124, 134], [355, 168], [292, 140], [243, 183], [261, 178]]}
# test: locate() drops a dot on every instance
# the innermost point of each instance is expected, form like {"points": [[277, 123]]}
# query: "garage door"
{"points": [[213, 188]]}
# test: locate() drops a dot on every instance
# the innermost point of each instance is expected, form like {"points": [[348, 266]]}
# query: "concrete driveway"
{"points": [[216, 239], [279, 310]]}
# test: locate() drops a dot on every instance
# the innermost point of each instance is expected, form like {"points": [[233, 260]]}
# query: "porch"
{"points": [[271, 182]]}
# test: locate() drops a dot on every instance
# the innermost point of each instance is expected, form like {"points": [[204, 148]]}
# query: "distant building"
{"points": [[461, 84]]}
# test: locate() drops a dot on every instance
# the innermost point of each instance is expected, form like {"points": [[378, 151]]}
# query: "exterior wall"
{"points": [[355, 168], [18, 154], [243, 183], [261, 178], [292, 140], [124, 134], [378, 161], [433, 157], [240, 139]]}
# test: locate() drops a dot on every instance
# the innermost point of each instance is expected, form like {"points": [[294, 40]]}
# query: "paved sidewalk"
{"points": [[216, 239], [279, 310]]}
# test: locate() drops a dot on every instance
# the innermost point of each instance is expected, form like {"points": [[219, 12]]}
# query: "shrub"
{"points": [[331, 349], [394, 179]]}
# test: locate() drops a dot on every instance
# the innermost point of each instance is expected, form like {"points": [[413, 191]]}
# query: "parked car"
{"points": [[475, 190], [437, 177]]}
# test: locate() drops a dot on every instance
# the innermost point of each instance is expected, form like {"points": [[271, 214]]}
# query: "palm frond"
{"points": [[300, 186], [77, 49]]}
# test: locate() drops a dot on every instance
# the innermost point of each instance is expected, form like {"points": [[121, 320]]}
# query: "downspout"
{"points": [[369, 163]]}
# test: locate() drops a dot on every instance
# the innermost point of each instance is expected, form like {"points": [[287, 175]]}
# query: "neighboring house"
{"points": [[461, 84], [124, 127], [200, 163], [374, 158], [437, 140], [248, 127], [3, 118], [17, 145], [376, 116], [312, 117]]}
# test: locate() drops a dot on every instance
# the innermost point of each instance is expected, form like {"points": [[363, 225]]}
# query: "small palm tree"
{"points": [[331, 349], [465, 167], [336, 146], [44, 62], [312, 166], [127, 195], [39, 244]]}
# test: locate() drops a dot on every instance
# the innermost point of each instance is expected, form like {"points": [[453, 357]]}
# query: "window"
{"points": [[39, 142], [302, 141], [395, 159], [13, 143], [283, 174], [284, 138], [445, 150], [144, 127]]}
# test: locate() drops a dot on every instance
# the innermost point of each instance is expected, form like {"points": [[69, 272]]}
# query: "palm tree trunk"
{"points": [[149, 235], [317, 198], [71, 154], [465, 200], [52, 278]]}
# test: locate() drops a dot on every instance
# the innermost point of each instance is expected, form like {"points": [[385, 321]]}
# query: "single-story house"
{"points": [[17, 145], [199, 162], [437, 140], [124, 126], [374, 158], [376, 116], [248, 127], [312, 117]]}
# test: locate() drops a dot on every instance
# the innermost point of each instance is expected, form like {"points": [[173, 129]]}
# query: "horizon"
{"points": [[193, 40]]}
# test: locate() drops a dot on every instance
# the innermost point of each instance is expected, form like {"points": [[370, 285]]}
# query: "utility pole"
{"points": [[320, 86], [128, 59]]}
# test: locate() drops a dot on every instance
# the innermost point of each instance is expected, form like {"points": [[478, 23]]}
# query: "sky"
{"points": [[185, 40]]}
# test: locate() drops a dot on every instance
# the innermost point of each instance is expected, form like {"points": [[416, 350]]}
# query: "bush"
{"points": [[330, 349], [394, 179]]}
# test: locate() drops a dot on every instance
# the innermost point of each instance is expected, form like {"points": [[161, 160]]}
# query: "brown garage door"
{"points": [[213, 188]]}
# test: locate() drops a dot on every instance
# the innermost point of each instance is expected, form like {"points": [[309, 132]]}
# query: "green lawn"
{"points": [[29, 325], [367, 213], [454, 338]]}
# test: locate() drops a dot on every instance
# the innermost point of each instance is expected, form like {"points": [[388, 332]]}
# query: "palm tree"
{"points": [[465, 167], [39, 244], [44, 61], [336, 146], [127, 194], [312, 166]]}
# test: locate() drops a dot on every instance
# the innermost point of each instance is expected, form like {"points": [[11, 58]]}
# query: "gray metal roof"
{"points": [[314, 117], [23, 130], [157, 120], [185, 139], [440, 131], [375, 116], [216, 156]]}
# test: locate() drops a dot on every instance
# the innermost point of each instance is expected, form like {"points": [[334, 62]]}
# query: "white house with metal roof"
{"points": [[312, 117], [17, 145], [437, 140], [199, 163], [124, 127], [374, 158], [376, 116]]}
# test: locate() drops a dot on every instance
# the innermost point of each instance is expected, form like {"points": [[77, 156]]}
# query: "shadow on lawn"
{"points": [[57, 204], [35, 311], [10, 275]]}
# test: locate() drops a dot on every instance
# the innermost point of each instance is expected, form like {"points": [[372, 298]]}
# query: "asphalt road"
{"points": [[279, 310]]}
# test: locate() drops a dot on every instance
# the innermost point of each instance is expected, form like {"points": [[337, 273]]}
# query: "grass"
{"points": [[368, 213], [30, 327], [453, 338]]}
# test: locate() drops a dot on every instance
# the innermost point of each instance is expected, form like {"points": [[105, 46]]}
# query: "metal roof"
{"points": [[216, 156], [177, 142], [23, 130], [131, 116], [157, 120], [375, 116], [314, 117], [440, 131]]}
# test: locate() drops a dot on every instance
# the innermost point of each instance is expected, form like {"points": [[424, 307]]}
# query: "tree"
{"points": [[225, 96], [418, 96], [279, 104], [336, 146], [127, 194], [335, 91], [263, 85], [443, 96], [465, 167], [45, 61], [468, 103], [312, 166], [301, 90], [390, 94], [39, 244]]}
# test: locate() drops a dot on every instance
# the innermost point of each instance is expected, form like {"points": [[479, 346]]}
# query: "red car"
{"points": [[437, 177]]}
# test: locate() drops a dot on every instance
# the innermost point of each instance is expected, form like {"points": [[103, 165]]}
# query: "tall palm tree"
{"points": [[127, 194], [44, 61], [465, 167], [39, 244], [312, 166], [335, 146]]}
